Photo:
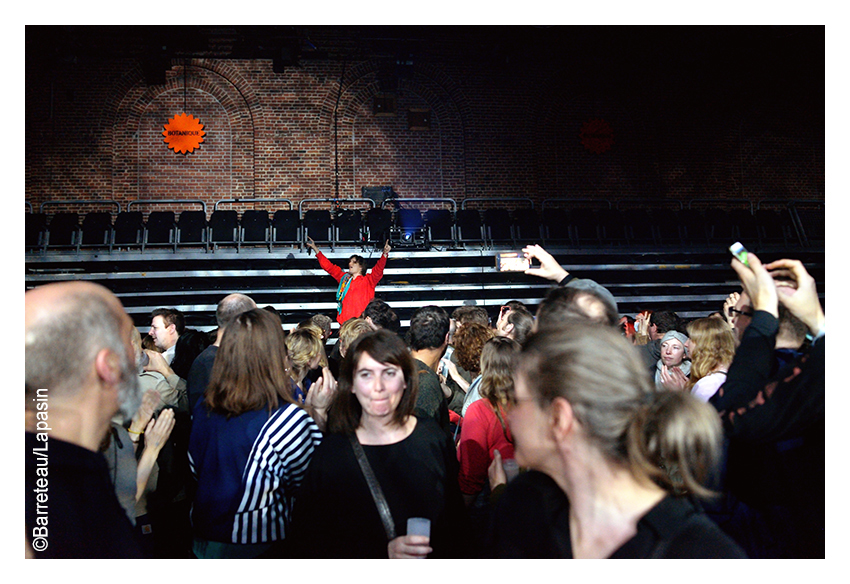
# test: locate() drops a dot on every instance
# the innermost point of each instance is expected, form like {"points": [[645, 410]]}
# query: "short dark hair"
{"points": [[666, 321], [791, 326], [466, 313], [429, 326], [360, 261], [382, 315], [171, 316], [382, 346], [323, 321], [189, 345]]}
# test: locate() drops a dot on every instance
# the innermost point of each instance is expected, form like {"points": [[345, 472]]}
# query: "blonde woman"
{"points": [[711, 346], [306, 352]]}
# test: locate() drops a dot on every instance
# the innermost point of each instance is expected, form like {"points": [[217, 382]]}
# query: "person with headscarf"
{"points": [[673, 366]]}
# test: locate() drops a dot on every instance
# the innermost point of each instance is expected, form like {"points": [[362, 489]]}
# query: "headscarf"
{"points": [[685, 365]]}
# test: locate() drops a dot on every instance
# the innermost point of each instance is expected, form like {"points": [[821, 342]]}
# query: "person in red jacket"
{"points": [[356, 287]]}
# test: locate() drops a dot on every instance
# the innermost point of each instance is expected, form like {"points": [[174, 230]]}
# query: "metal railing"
{"points": [[495, 200], [215, 207], [81, 202]]}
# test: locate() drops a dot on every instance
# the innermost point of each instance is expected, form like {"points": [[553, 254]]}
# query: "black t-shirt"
{"points": [[430, 401], [199, 375], [335, 515], [68, 487], [531, 520]]}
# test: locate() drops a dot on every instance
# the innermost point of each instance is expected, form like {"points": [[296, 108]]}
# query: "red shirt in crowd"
{"points": [[362, 288], [480, 434]]}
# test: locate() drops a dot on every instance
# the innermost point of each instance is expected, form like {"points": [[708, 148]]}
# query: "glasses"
{"points": [[741, 312], [514, 401]]}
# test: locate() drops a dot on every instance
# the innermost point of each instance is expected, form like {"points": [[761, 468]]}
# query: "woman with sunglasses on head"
{"points": [[615, 463]]}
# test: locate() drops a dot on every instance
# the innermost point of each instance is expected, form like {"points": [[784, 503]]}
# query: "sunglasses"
{"points": [[741, 312]]}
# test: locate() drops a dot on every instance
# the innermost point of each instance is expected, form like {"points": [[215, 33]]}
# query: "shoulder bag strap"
{"points": [[374, 487]]}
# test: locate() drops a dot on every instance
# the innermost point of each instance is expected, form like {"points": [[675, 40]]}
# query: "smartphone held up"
{"points": [[512, 261], [740, 252]]}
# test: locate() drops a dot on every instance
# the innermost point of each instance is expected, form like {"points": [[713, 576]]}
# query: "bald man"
{"points": [[80, 372]]}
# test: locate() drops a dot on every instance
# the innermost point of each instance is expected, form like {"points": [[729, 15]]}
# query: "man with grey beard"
{"points": [[80, 372]]}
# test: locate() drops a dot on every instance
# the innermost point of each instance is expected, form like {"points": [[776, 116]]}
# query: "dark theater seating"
{"points": [[440, 227], [63, 230], [348, 225], [160, 229], [317, 225], [286, 227], [255, 227], [129, 229], [378, 225], [224, 228], [97, 229], [192, 229]]}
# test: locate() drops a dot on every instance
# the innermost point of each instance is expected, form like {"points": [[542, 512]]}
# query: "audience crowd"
{"points": [[565, 430]]}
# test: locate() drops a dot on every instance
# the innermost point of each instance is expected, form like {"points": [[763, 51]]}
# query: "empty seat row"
{"points": [[672, 227], [488, 227]]}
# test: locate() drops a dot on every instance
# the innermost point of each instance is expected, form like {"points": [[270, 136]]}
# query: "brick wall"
{"points": [[501, 126]]}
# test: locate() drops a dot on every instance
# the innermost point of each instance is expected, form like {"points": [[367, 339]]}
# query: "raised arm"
{"points": [[377, 272], [549, 268], [311, 245], [751, 366], [797, 292]]}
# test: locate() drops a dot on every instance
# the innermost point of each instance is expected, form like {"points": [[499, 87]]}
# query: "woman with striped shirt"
{"points": [[251, 443]]}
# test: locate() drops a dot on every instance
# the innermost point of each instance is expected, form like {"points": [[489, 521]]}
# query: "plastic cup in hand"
{"points": [[511, 468], [419, 526]]}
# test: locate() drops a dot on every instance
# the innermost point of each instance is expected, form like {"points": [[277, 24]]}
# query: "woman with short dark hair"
{"points": [[412, 459]]}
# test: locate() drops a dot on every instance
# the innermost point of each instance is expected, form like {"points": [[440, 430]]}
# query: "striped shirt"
{"points": [[248, 468]]}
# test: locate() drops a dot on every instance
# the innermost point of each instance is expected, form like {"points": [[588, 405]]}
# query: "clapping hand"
{"points": [[321, 392], [673, 379], [151, 401], [158, 430], [319, 397], [157, 363]]}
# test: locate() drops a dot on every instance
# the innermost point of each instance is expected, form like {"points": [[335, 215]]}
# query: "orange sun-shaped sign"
{"points": [[597, 136], [183, 133]]}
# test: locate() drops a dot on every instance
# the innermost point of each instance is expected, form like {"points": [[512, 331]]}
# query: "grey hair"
{"points": [[60, 349], [232, 306], [669, 438]]}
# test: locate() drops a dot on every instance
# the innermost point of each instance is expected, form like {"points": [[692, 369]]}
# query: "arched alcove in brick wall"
{"points": [[590, 147], [383, 150], [143, 167]]}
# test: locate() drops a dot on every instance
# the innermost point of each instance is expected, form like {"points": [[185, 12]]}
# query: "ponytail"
{"points": [[675, 440], [670, 438]]}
